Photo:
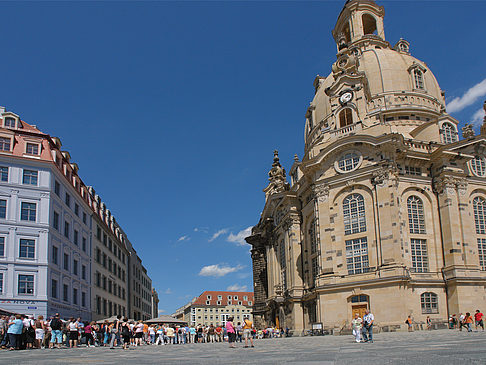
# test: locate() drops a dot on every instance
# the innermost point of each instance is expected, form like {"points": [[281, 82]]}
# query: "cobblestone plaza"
{"points": [[435, 347]]}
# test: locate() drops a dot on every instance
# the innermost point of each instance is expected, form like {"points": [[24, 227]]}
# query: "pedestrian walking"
{"points": [[230, 329], [368, 321], [478, 319], [247, 328], [357, 324], [408, 321]]}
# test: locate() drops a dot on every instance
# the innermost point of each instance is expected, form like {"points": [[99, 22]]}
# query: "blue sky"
{"points": [[172, 109]]}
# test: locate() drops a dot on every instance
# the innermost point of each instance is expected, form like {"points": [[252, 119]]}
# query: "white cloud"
{"points": [[237, 287], [201, 229], [168, 291], [161, 311], [184, 238], [469, 97], [239, 238], [218, 271], [217, 234], [477, 118]]}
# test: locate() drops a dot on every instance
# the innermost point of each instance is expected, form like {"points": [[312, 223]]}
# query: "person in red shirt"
{"points": [[478, 318]]}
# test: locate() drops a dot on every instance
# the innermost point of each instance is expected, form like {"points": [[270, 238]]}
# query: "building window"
{"points": [[66, 262], [54, 288], [83, 272], [357, 256], [354, 214], [57, 188], [416, 220], [9, 122], [419, 255], [27, 249], [448, 133], [32, 149], [98, 279], [418, 77], [482, 253], [2, 246], [75, 296], [478, 166], [348, 162], [83, 299], [65, 293], [413, 170], [76, 237], [315, 270], [4, 174], [3, 209], [345, 118], [30, 177], [429, 303], [84, 244], [1, 282], [55, 252], [479, 207], [75, 267], [4, 144], [84, 217], [313, 236], [26, 284], [67, 199], [66, 229], [55, 221], [76, 208], [27, 211]]}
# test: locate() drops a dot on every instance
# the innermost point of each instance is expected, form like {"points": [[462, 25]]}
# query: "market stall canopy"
{"points": [[166, 319], [5, 312]]}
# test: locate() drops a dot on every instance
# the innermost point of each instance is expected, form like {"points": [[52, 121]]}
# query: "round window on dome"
{"points": [[478, 166], [348, 161]]}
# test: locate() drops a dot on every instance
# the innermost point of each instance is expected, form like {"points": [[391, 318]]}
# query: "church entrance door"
{"points": [[360, 309]]}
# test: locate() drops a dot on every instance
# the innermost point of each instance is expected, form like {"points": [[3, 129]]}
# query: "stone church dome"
{"points": [[372, 83]]}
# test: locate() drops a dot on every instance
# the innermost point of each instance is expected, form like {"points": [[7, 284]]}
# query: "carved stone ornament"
{"points": [[448, 184], [321, 192], [383, 175], [278, 290], [276, 177], [467, 131]]}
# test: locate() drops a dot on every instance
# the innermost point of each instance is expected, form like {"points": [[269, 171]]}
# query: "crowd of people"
{"points": [[363, 327], [467, 321], [24, 332]]}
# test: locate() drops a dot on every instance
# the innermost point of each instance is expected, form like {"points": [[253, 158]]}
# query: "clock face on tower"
{"points": [[346, 97]]}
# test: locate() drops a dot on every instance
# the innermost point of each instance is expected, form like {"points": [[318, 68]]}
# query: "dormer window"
{"points": [[9, 122], [418, 78], [345, 118], [5, 144], [32, 149], [448, 133]]}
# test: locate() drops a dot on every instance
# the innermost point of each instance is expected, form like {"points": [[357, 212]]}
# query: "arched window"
{"points": [[416, 220], [418, 77], [345, 118], [369, 24], [479, 207], [354, 214], [429, 303], [449, 134], [478, 166], [312, 236]]}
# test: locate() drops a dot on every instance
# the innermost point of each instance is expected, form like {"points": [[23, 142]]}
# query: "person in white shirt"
{"points": [[368, 321], [357, 323]]}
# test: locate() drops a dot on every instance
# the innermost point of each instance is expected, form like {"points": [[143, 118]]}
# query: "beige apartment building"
{"points": [[109, 264], [215, 307], [386, 210], [140, 287]]}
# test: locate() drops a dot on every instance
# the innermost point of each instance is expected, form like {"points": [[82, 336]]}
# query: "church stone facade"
{"points": [[387, 208]]}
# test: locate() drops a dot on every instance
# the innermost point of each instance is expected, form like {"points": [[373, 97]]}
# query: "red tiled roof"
{"points": [[203, 298]]}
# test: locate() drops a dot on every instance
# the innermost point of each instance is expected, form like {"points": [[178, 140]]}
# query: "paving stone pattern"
{"points": [[422, 347]]}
